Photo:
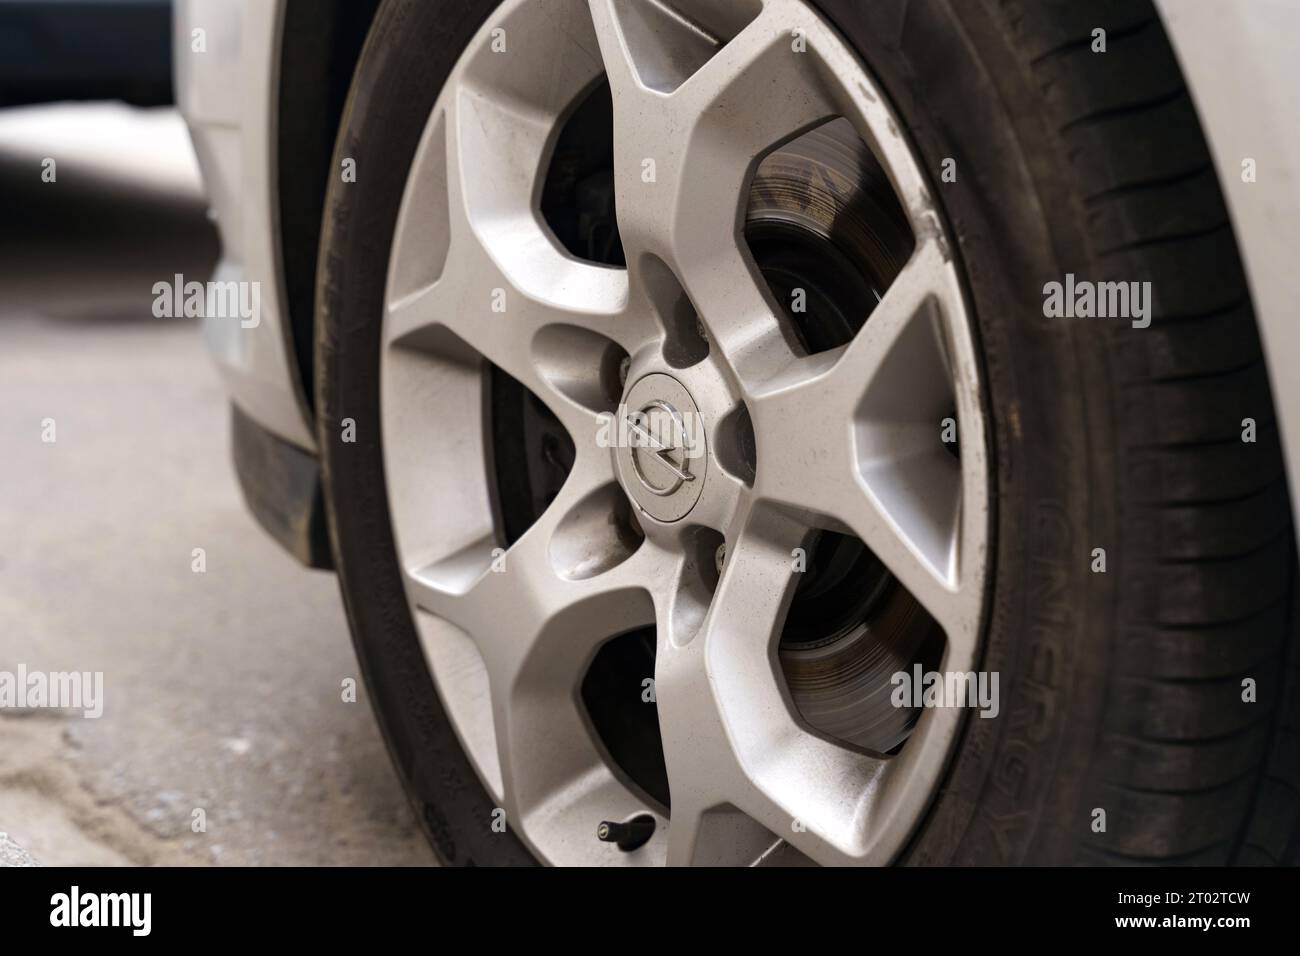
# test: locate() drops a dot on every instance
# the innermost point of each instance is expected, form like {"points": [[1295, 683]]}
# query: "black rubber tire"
{"points": [[411, 49], [1121, 691]]}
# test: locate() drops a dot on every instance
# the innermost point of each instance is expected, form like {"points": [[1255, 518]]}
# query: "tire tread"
{"points": [[1208, 572]]}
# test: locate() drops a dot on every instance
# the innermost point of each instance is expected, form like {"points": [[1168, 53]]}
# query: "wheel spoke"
{"points": [[705, 136], [505, 283], [684, 160], [730, 732], [536, 631], [856, 438]]}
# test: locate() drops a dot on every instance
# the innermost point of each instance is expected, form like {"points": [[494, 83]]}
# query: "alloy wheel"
{"points": [[803, 510]]}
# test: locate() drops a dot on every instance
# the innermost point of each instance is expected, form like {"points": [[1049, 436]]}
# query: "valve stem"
{"points": [[629, 836]]}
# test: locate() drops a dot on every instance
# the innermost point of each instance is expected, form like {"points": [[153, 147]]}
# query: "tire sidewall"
{"points": [[1018, 785], [412, 48]]}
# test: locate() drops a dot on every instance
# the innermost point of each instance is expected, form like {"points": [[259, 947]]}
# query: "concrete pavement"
{"points": [[222, 689]]}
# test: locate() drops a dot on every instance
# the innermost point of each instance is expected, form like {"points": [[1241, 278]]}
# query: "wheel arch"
{"points": [[321, 42], [1239, 67]]}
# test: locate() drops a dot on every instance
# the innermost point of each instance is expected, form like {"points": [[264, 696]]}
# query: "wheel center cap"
{"points": [[662, 449]]}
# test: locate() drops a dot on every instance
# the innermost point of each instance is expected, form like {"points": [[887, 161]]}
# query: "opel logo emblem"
{"points": [[662, 448], [660, 455]]}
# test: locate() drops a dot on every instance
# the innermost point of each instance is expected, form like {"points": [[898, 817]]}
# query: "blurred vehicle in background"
{"points": [[85, 50]]}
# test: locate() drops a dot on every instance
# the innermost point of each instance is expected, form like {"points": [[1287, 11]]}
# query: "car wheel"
{"points": [[688, 401]]}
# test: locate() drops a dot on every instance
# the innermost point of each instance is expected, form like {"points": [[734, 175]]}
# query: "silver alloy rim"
{"points": [[845, 440]]}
